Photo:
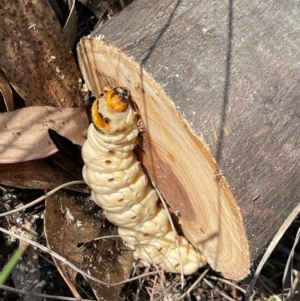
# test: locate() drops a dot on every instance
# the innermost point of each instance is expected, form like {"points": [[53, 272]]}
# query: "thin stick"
{"points": [[288, 264], [294, 286], [227, 282], [42, 197], [122, 4], [71, 265], [193, 285], [219, 291]]}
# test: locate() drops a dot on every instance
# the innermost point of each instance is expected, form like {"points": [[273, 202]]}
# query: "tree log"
{"points": [[216, 86]]}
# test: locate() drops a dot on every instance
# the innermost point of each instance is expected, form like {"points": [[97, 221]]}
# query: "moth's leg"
{"points": [[140, 126]]}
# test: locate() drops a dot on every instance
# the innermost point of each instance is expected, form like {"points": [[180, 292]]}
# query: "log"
{"points": [[216, 86]]}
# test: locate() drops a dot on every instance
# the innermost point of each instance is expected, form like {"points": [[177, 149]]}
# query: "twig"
{"points": [[227, 282], [62, 259], [193, 285], [294, 286], [288, 264], [42, 197], [219, 291]]}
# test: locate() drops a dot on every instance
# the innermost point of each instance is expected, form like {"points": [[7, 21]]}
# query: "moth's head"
{"points": [[112, 111], [117, 99]]}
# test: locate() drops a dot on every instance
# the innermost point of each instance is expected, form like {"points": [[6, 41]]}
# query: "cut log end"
{"points": [[177, 160]]}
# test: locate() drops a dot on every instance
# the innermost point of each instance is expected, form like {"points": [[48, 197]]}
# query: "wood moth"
{"points": [[121, 188]]}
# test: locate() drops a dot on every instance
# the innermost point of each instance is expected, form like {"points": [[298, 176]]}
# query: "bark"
{"points": [[232, 70]]}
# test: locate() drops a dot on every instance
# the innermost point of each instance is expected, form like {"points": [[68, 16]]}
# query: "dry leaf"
{"points": [[37, 174], [64, 234], [24, 133], [107, 260], [35, 55], [72, 220]]}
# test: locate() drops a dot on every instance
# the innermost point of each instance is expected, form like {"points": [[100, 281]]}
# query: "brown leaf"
{"points": [[24, 133], [37, 174], [64, 234], [104, 260], [35, 55], [70, 221]]}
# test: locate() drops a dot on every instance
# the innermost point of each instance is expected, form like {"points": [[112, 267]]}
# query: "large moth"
{"points": [[121, 188]]}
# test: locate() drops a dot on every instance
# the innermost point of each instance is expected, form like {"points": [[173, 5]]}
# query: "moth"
{"points": [[121, 188]]}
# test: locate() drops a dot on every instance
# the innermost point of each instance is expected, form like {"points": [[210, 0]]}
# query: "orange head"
{"points": [[105, 110], [117, 98]]}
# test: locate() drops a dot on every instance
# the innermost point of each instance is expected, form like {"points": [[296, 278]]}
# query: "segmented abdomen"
{"points": [[121, 188]]}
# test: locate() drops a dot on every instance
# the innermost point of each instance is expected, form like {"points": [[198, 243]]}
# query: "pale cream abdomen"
{"points": [[121, 188]]}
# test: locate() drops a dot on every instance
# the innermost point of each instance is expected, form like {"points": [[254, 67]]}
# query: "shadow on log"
{"points": [[217, 89]]}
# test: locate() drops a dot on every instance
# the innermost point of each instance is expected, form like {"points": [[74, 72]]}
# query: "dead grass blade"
{"points": [[271, 247], [41, 198], [289, 264]]}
